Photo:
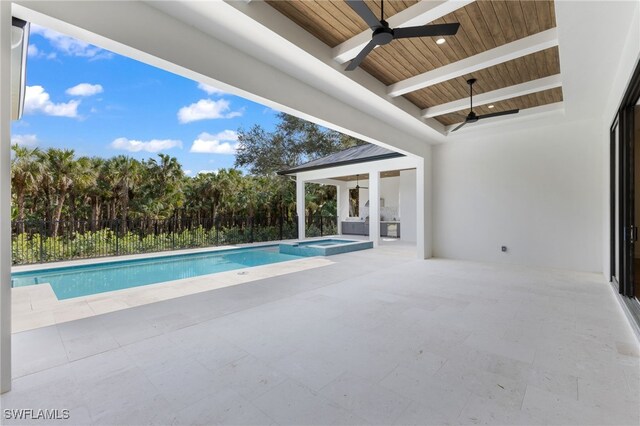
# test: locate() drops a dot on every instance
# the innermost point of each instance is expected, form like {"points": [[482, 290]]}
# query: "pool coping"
{"points": [[37, 306]]}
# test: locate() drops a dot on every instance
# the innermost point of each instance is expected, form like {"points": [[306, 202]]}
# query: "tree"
{"points": [[25, 173], [161, 189], [294, 141], [96, 191], [61, 169], [55, 186], [84, 177], [126, 173]]}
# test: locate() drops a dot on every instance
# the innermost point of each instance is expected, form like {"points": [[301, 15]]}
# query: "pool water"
{"points": [[83, 280]]}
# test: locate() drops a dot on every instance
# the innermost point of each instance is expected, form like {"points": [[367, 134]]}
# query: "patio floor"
{"points": [[374, 337]]}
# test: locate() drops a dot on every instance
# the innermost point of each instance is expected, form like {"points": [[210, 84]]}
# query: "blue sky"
{"points": [[102, 104]]}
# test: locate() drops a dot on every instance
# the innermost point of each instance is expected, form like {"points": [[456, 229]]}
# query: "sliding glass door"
{"points": [[625, 196], [614, 205]]}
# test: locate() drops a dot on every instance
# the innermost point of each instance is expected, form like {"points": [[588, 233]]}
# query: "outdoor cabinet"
{"points": [[355, 228], [362, 228], [390, 229]]}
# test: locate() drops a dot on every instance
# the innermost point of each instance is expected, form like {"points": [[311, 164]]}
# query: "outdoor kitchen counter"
{"points": [[353, 227]]}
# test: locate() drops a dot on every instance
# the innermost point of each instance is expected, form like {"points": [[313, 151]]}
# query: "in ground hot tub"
{"points": [[326, 247]]}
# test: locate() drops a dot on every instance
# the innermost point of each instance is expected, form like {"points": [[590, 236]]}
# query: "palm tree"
{"points": [[25, 173], [230, 180], [62, 168], [56, 186], [84, 178], [126, 173], [163, 186], [95, 191]]}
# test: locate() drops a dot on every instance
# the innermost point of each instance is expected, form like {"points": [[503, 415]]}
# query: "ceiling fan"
{"points": [[472, 117], [382, 34], [358, 183]]}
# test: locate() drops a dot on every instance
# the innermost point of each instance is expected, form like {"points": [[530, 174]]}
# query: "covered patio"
{"points": [[377, 193], [511, 312]]}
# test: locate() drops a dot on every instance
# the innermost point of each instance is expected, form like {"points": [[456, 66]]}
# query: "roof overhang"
{"points": [[19, 50], [301, 169]]}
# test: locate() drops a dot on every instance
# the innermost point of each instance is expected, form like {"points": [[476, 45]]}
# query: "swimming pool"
{"points": [[83, 280]]}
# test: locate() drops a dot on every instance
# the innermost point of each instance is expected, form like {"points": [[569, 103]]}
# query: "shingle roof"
{"points": [[353, 155]]}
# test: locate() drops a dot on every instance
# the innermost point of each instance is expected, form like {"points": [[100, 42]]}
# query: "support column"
{"points": [[424, 207], [342, 206], [374, 208], [5, 196], [300, 206], [338, 205]]}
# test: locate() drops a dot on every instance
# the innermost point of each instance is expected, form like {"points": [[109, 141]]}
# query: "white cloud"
{"points": [[225, 135], [204, 172], [37, 100], [84, 89], [25, 140], [70, 46], [211, 90], [154, 145], [188, 172], [32, 51], [206, 109], [224, 142]]}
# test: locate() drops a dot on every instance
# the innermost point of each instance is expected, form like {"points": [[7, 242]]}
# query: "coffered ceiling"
{"points": [[510, 47]]}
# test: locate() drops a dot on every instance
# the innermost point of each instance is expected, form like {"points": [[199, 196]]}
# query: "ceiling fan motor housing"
{"points": [[383, 35]]}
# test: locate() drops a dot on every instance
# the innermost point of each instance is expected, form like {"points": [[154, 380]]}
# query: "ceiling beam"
{"points": [[510, 92], [525, 46], [524, 113], [420, 13]]}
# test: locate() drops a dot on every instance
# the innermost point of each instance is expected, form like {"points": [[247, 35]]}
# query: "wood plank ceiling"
{"points": [[485, 24]]}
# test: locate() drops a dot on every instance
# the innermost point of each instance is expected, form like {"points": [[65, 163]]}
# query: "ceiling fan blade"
{"points": [[426, 31], [364, 12], [498, 114], [355, 62], [461, 124]]}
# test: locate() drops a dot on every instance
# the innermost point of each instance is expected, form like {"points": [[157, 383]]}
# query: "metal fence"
{"points": [[41, 241]]}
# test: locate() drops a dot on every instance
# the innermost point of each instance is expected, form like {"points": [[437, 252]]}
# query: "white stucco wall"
{"points": [[363, 196], [408, 205], [536, 191], [390, 191]]}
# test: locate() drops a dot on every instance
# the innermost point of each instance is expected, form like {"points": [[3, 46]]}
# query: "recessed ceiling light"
{"points": [[490, 106], [441, 41]]}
